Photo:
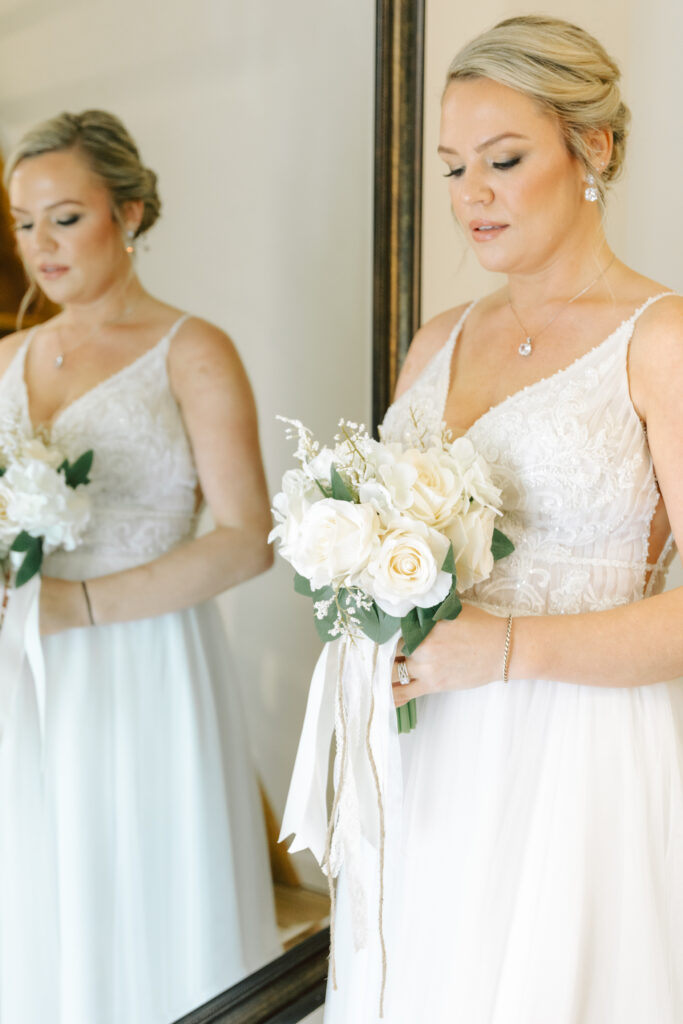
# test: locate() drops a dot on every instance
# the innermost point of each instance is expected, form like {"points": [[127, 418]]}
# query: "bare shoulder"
{"points": [[429, 340], [656, 356], [9, 346], [202, 357]]}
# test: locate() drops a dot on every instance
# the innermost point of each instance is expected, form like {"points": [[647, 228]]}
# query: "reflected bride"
{"points": [[134, 878]]}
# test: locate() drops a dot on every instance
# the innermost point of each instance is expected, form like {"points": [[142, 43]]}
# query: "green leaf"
{"points": [[77, 473], [324, 625], [449, 561], [414, 631], [32, 560], [501, 546], [23, 541], [3, 470], [340, 490], [303, 586], [450, 608], [376, 624]]}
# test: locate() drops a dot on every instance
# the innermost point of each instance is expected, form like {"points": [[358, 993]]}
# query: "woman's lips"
{"points": [[52, 271], [485, 230]]}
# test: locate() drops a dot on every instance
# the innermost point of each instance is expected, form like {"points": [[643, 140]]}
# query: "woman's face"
{"points": [[68, 238], [515, 189]]}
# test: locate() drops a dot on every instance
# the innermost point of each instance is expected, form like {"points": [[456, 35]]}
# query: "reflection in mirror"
{"points": [[264, 160]]}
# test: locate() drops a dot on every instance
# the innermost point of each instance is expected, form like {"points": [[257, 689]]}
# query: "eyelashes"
{"points": [[500, 165], [63, 222]]}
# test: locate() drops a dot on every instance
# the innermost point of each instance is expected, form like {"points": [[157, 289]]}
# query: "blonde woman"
{"points": [[542, 860], [134, 882]]}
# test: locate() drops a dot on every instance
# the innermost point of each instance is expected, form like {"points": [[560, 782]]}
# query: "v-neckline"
{"points": [[513, 396], [133, 364]]}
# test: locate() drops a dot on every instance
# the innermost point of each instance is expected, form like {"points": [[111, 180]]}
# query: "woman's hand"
{"points": [[62, 605], [457, 655]]}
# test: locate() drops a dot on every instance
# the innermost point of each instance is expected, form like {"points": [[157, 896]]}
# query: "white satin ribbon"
{"points": [[366, 691], [20, 645]]}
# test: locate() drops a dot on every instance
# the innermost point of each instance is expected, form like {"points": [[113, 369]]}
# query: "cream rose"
{"points": [[471, 537], [438, 490], [475, 473], [334, 542], [299, 492], [406, 570]]}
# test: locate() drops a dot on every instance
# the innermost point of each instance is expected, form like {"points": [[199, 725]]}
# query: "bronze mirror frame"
{"points": [[292, 986]]}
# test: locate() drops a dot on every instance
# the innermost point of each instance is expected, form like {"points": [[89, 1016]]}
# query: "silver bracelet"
{"points": [[506, 653]]}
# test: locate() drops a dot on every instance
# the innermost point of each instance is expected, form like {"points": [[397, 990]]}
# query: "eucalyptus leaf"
{"points": [[340, 490], [450, 608], [23, 541], [501, 546], [324, 625], [3, 470], [376, 624], [414, 631], [77, 473], [303, 586], [32, 562], [449, 561]]}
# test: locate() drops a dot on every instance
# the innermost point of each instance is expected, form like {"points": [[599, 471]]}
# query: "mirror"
{"points": [[258, 119]]}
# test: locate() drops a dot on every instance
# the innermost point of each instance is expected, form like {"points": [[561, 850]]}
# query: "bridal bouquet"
{"points": [[43, 507], [384, 536]]}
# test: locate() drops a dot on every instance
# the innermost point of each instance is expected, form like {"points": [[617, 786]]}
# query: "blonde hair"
{"points": [[565, 70], [111, 154]]}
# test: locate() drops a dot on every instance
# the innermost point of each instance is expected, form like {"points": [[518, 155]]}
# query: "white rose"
{"points": [[406, 570], [334, 542], [8, 527], [438, 491], [42, 503], [299, 492], [475, 473], [34, 448], [320, 466], [471, 537], [392, 493]]}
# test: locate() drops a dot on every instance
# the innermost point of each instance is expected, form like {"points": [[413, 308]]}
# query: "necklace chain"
{"points": [[526, 347]]}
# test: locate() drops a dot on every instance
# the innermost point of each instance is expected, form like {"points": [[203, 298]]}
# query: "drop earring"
{"points": [[591, 193], [130, 247]]}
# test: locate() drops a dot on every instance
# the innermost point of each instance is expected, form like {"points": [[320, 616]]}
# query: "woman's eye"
{"points": [[455, 172], [71, 219], [22, 227], [505, 165]]}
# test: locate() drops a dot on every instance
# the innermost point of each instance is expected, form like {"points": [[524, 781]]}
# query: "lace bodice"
{"points": [[143, 479], [570, 456]]}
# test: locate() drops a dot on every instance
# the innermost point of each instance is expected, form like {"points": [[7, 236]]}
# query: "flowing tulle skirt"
{"points": [[134, 881], [541, 865]]}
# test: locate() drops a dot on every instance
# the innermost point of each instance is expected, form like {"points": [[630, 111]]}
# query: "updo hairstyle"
{"points": [[565, 70], [109, 151]]}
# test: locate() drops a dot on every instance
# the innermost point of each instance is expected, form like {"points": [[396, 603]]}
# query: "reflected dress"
{"points": [[542, 853], [134, 878]]}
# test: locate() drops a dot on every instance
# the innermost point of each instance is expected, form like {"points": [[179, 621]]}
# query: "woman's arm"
{"points": [[217, 405], [630, 645]]}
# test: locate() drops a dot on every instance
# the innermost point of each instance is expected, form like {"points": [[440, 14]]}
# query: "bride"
{"points": [[542, 855], [134, 881]]}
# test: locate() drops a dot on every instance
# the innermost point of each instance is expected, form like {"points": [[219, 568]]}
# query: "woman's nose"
{"points": [[475, 189]]}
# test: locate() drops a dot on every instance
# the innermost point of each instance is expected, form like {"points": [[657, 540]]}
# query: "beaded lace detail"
{"points": [[143, 479], [570, 456]]}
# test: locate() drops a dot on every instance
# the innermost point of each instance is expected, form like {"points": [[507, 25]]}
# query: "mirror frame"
{"points": [[292, 986]]}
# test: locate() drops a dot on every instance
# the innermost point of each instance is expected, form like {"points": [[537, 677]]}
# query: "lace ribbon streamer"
{"points": [[20, 648], [350, 695]]}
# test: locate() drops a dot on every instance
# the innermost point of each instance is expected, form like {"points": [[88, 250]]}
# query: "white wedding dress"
{"points": [[542, 855], [134, 878]]}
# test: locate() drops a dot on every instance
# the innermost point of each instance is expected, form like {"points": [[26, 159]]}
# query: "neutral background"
{"points": [[645, 207], [258, 117]]}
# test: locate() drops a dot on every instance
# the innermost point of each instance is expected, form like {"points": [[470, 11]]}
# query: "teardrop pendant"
{"points": [[59, 361], [525, 348]]}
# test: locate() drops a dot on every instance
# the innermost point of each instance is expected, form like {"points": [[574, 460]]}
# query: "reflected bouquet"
{"points": [[384, 536], [43, 505]]}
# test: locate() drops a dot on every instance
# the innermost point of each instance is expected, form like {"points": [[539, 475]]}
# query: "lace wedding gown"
{"points": [[542, 858], [134, 881]]}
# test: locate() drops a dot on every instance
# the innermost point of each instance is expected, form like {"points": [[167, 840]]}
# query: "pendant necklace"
{"points": [[526, 347]]}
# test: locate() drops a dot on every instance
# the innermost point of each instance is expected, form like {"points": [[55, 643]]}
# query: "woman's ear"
{"points": [[599, 142]]}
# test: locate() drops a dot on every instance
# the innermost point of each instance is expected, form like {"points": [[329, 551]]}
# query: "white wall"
{"points": [[257, 116], [645, 208]]}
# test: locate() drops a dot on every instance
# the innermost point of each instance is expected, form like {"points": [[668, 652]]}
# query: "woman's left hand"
{"points": [[457, 655], [62, 605]]}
